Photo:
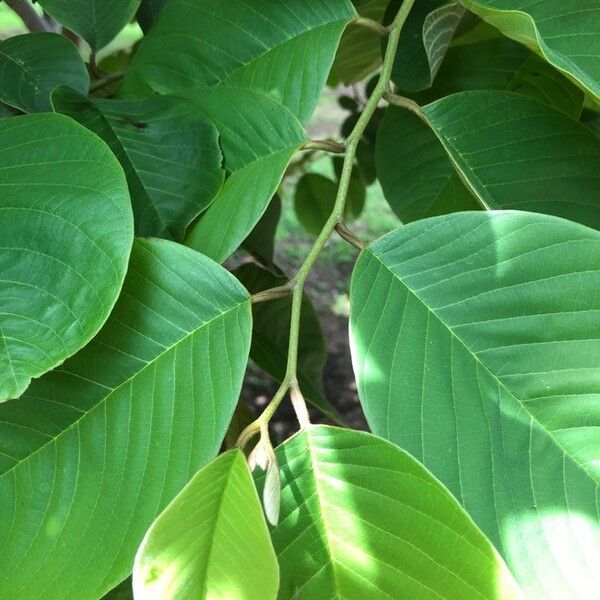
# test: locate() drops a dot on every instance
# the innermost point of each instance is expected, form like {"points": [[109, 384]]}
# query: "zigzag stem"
{"points": [[335, 219]]}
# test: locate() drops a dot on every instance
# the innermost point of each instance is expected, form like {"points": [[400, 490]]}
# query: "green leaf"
{"points": [[97, 448], [506, 148], [259, 136], [283, 48], [564, 32], [538, 79], [96, 21], [476, 345], [66, 232], [416, 176], [32, 65], [315, 196], [362, 519], [424, 42], [163, 145], [211, 541], [313, 201], [501, 64], [271, 334], [359, 52]]}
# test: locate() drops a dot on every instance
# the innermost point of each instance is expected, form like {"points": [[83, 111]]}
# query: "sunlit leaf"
{"points": [[476, 346], [97, 448], [66, 233], [211, 541], [362, 519], [283, 48]]}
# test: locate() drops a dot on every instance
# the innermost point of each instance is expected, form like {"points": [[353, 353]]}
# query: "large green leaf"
{"points": [[170, 154], [95, 449], [424, 41], [32, 65], [359, 52], [505, 147], [96, 21], [259, 136], [283, 48], [362, 519], [564, 32], [212, 541], [271, 336], [476, 345], [66, 233]]}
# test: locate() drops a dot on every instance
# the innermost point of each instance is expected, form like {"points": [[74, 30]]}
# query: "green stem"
{"points": [[336, 217]]}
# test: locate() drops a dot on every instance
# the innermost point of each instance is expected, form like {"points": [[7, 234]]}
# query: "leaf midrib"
{"points": [[101, 402], [478, 361]]}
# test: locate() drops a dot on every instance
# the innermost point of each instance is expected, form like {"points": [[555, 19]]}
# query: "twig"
{"points": [[102, 83], [290, 380], [34, 22], [325, 145], [375, 26], [346, 234]]}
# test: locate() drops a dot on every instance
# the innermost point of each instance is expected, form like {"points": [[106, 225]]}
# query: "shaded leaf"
{"points": [[359, 52], [564, 32], [32, 65], [148, 12], [96, 21], [261, 241], [283, 48], [424, 41], [476, 346], [170, 154], [362, 519], [97, 448], [315, 196], [502, 64], [506, 147], [270, 338], [66, 232], [211, 541], [416, 176]]}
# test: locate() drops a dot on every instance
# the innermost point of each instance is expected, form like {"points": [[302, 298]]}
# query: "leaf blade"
{"points": [[233, 554], [469, 390], [365, 513], [122, 426], [55, 295]]}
